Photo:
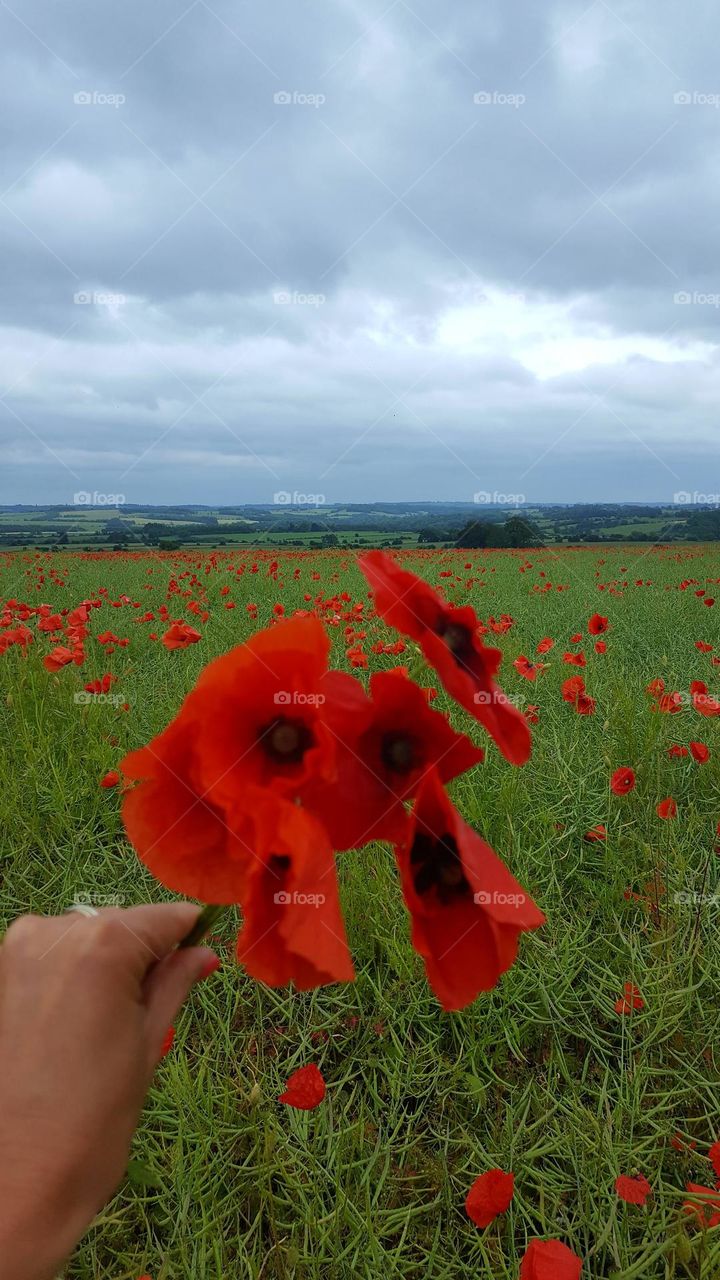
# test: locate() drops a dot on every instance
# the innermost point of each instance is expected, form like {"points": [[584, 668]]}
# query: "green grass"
{"points": [[540, 1076]]}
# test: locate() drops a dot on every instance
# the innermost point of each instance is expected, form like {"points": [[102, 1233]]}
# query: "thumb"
{"points": [[167, 988]]}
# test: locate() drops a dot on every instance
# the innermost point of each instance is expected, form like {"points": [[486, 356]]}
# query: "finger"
{"points": [[150, 931], [167, 988]]}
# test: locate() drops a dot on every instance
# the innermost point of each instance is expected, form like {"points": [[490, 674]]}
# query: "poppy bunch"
{"points": [[275, 763]]}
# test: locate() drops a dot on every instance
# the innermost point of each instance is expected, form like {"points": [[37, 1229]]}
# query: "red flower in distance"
{"points": [[180, 636], [575, 659], [305, 1088], [57, 658], [550, 1260], [630, 1000], [699, 752], [111, 779], [633, 1190], [597, 624], [666, 808], [467, 910], [622, 781], [704, 1199], [450, 641], [572, 688], [714, 1158], [489, 1195]]}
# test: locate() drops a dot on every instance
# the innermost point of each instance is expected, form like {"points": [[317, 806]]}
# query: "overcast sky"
{"points": [[365, 250]]}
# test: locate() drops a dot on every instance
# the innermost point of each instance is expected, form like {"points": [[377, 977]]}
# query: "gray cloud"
{"points": [[380, 288]]}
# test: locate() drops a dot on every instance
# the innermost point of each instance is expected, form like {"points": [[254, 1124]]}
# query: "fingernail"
{"points": [[211, 966]]}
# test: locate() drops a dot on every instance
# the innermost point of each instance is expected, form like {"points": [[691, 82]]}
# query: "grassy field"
{"points": [[541, 1076]]}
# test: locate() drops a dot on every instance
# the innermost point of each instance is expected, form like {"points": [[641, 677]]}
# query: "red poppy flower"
{"points": [[111, 779], [575, 659], [700, 752], [293, 928], [57, 658], [467, 910], [550, 1260], [630, 1000], [187, 842], [450, 641], [527, 669], [584, 704], [545, 645], [597, 624], [572, 688], [633, 1190], [704, 1199], [600, 646], [596, 833], [489, 1195], [677, 753], [258, 714], [666, 808], [622, 781], [180, 636], [385, 745], [714, 1157], [305, 1088]]}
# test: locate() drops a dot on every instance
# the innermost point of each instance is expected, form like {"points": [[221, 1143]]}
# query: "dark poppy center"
{"points": [[435, 864], [458, 640], [286, 741], [400, 752], [279, 864]]}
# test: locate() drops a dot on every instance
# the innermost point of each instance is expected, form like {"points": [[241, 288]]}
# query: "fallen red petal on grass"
{"points": [[489, 1195], [305, 1088], [549, 1260], [633, 1190], [596, 833]]}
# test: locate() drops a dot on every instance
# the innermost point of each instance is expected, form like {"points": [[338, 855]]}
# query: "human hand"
{"points": [[85, 1003]]}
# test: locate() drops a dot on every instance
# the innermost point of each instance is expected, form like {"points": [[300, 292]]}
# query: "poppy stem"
{"points": [[203, 925]]}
